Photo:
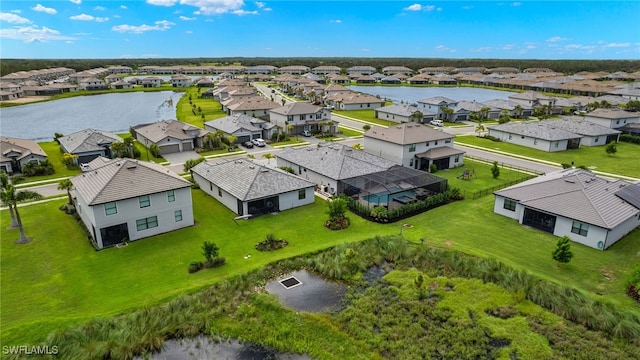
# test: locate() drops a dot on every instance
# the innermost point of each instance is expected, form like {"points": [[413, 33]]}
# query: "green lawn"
{"points": [[208, 107], [624, 162], [293, 140], [483, 179], [348, 132], [144, 153], [366, 115], [54, 155], [88, 284]]}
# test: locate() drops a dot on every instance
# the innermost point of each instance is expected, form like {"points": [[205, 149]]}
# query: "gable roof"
{"points": [[336, 161], [611, 114], [247, 181], [297, 108], [575, 194], [581, 127], [408, 133], [233, 123], [120, 179], [538, 130], [88, 140], [438, 100], [22, 147], [399, 109]]}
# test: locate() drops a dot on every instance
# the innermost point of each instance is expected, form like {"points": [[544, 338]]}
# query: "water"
{"points": [[110, 112], [314, 295], [166, 78], [413, 94], [203, 347]]}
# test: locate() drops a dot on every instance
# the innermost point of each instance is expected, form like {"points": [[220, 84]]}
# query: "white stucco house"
{"points": [[303, 116], [591, 210], [612, 118], [436, 104], [247, 188], [402, 113], [536, 135], [15, 153], [413, 145], [122, 200], [181, 80], [244, 127]]}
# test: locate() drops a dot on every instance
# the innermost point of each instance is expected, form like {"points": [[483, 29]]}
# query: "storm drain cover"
{"points": [[290, 282]]}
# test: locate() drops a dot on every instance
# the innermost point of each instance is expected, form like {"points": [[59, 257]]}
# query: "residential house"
{"points": [[592, 133], [539, 135], [366, 79], [532, 100], [122, 200], [326, 70], [420, 79], [478, 109], [180, 80], [436, 105], [15, 153], [303, 116], [354, 101], [261, 69], [393, 70], [247, 188], [204, 81], [338, 79], [91, 83], [436, 70], [111, 78], [402, 113], [244, 127], [294, 70], [612, 118], [170, 136], [121, 84], [256, 106], [442, 79], [591, 210], [515, 109], [363, 70], [88, 144], [151, 82], [414, 146], [10, 91], [390, 80], [470, 70]]}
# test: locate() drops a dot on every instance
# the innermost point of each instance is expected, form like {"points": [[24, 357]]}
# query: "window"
{"points": [[435, 142], [427, 143], [219, 191], [509, 204], [411, 162], [302, 194], [580, 228], [556, 144], [145, 201], [147, 223], [447, 141], [178, 215], [171, 196], [302, 117], [110, 208], [456, 158], [596, 140], [412, 147], [509, 136], [211, 186], [535, 141]]}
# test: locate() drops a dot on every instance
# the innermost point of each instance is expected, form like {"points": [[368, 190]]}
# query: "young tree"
{"points": [[366, 127], [11, 197], [337, 208], [118, 149], [611, 149], [67, 185], [129, 143], [495, 170], [480, 129], [155, 150], [189, 164], [562, 253], [268, 156], [210, 251]]}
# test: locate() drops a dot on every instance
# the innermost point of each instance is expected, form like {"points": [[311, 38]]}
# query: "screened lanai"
{"points": [[393, 187]]}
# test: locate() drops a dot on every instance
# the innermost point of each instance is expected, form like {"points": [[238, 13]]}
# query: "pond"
{"points": [[413, 94], [312, 293], [203, 347], [110, 112], [166, 78]]}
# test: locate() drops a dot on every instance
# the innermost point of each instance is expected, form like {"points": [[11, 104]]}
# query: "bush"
{"points": [[195, 266], [492, 138], [37, 168], [271, 243], [216, 262], [630, 138], [380, 214], [288, 169], [566, 166], [495, 170], [433, 168]]}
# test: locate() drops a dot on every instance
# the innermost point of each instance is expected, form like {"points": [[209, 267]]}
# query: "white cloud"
{"points": [[123, 7], [414, 7], [516, 3], [31, 34], [267, 9], [260, 4], [85, 17], [188, 32], [43, 9], [77, 2], [99, 8], [418, 7], [556, 38], [208, 7], [241, 12], [444, 48], [337, 21], [166, 3], [13, 18], [161, 25], [184, 18], [16, 11], [617, 45]]}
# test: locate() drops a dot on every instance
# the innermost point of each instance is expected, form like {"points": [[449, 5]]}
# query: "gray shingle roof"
{"points": [[437, 100], [233, 123], [23, 146], [248, 181], [399, 109], [119, 179], [581, 127], [161, 129], [538, 130], [87, 140], [408, 133], [612, 114], [336, 161], [575, 194], [297, 108]]}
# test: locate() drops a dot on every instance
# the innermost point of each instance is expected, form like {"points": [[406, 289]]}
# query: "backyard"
{"points": [[624, 162], [92, 284], [365, 115], [195, 110]]}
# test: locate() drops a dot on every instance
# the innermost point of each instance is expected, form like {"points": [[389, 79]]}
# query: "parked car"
{"points": [[436, 123], [247, 144], [329, 107], [306, 133], [259, 142]]}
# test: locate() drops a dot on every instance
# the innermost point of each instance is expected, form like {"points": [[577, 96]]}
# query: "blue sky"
{"points": [[229, 28]]}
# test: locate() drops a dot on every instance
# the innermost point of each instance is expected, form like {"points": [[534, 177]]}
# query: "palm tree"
{"points": [[417, 116], [118, 149], [11, 197], [447, 112], [268, 156], [4, 183], [518, 109], [128, 143], [67, 185], [480, 129]]}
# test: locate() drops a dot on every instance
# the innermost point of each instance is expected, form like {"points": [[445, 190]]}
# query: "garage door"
{"points": [[244, 138], [168, 149], [86, 158], [187, 146]]}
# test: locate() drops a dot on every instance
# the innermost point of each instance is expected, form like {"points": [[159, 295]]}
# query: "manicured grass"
{"points": [[185, 111], [483, 179], [624, 162], [88, 284], [54, 155], [366, 115], [291, 141], [348, 132], [144, 152]]}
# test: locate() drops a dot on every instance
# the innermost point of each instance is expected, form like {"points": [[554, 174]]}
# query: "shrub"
{"points": [[433, 168], [37, 168], [492, 138], [271, 243], [630, 138], [380, 214], [566, 166], [195, 266], [189, 164], [216, 262], [495, 170], [288, 169], [210, 250]]}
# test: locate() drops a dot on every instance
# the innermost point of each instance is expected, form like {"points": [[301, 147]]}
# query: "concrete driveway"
{"points": [[180, 157]]}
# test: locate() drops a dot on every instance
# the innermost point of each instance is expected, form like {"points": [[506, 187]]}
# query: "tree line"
{"points": [[8, 66]]}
